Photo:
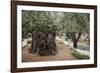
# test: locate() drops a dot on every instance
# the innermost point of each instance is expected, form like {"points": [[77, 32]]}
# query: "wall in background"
{"points": [[5, 36]]}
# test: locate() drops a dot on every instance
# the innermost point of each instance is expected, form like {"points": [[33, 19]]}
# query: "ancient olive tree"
{"points": [[46, 25], [75, 24], [41, 25]]}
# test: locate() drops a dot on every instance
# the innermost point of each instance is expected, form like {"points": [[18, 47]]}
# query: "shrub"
{"points": [[79, 56]]}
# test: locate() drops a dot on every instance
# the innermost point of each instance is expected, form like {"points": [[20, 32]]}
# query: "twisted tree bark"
{"points": [[43, 43], [75, 39]]}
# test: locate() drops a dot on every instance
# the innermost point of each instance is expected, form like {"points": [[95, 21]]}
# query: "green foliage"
{"points": [[46, 20], [36, 21], [79, 56], [77, 22]]}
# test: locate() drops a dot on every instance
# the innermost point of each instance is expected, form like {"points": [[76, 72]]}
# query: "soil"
{"points": [[63, 53]]}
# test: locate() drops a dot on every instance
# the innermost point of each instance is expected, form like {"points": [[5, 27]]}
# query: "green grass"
{"points": [[79, 56]]}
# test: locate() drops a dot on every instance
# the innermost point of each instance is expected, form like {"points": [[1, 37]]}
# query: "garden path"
{"points": [[63, 53]]}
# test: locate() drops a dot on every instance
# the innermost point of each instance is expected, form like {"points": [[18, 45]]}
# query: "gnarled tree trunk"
{"points": [[43, 43], [75, 39], [74, 36]]}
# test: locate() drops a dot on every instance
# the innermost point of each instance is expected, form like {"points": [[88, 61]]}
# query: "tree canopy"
{"points": [[63, 21]]}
